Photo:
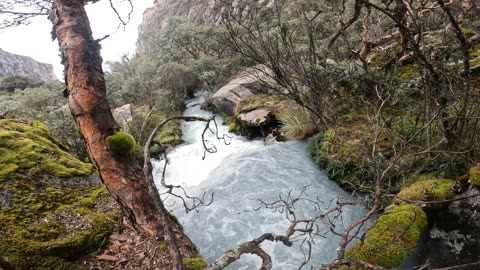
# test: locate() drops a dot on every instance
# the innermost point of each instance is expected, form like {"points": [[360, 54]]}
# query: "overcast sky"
{"points": [[35, 41]]}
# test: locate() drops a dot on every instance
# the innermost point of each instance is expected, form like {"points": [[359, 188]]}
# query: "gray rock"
{"points": [[468, 210], [123, 115], [13, 64], [244, 85], [255, 118]]}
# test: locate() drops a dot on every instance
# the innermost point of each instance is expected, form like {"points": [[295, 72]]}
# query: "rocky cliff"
{"points": [[13, 64]]}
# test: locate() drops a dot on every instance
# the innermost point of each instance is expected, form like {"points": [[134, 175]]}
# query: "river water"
{"points": [[238, 175]]}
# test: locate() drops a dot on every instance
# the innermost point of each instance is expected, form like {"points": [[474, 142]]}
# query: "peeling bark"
{"points": [[137, 197]]}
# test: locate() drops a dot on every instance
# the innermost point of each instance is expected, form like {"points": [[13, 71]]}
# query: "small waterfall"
{"points": [[239, 174]]}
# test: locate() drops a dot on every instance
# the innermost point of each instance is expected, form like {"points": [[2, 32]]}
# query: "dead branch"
{"points": [[250, 247], [147, 167], [300, 230]]}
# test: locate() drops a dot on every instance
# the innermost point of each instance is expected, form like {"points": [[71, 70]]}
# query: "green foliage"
{"points": [[197, 263], [14, 82], [427, 188], [392, 238], [297, 124], [120, 144], [28, 149], [344, 154]]}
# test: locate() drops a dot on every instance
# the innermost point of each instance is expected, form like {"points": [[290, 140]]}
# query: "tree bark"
{"points": [[137, 197]]}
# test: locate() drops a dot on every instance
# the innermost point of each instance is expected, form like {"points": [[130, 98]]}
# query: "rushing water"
{"points": [[239, 174]]}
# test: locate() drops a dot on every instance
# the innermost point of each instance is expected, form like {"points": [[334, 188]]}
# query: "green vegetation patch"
{"points": [[393, 236], [49, 226], [343, 152], [428, 188], [261, 101], [474, 175], [120, 144], [28, 149], [297, 124], [170, 134], [197, 263]]}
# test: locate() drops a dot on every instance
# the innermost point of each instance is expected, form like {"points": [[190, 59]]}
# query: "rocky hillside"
{"points": [[13, 64], [192, 11], [195, 11]]}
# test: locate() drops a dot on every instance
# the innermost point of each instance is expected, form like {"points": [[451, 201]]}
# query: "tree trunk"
{"points": [[136, 195]]}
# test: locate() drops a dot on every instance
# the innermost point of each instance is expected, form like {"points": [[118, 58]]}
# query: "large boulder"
{"points": [[248, 83]]}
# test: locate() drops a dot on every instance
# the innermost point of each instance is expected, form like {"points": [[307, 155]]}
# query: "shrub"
{"points": [[297, 124]]}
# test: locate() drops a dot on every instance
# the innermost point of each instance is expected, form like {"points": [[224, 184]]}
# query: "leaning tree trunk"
{"points": [[138, 199]]}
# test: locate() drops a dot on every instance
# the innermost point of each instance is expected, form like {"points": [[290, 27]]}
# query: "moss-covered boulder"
{"points": [[393, 236], [474, 176], [28, 149], [50, 202], [427, 188]]}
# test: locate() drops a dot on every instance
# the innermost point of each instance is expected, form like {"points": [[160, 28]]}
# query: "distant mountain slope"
{"points": [[13, 64], [194, 11]]}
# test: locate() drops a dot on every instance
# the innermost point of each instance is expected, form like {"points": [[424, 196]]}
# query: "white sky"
{"points": [[34, 40]]}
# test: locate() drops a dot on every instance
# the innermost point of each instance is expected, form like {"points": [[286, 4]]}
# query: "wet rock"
{"points": [[467, 210]]}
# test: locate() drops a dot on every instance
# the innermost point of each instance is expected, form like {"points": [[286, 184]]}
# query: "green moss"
{"points": [[427, 188], [258, 101], [52, 242], [393, 236], [474, 176], [162, 246], [170, 134], [197, 263], [120, 144], [43, 263], [409, 72], [234, 127], [28, 149], [44, 200]]}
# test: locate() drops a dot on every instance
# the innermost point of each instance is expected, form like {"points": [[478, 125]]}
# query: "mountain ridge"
{"points": [[14, 64]]}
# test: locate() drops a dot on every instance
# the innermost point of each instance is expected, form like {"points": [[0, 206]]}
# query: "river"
{"points": [[238, 175]]}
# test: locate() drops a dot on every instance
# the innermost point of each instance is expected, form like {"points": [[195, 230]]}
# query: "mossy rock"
{"points": [[427, 188], [259, 101], [120, 144], [46, 193], [392, 238], [28, 149], [474, 176], [197, 263], [170, 134]]}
